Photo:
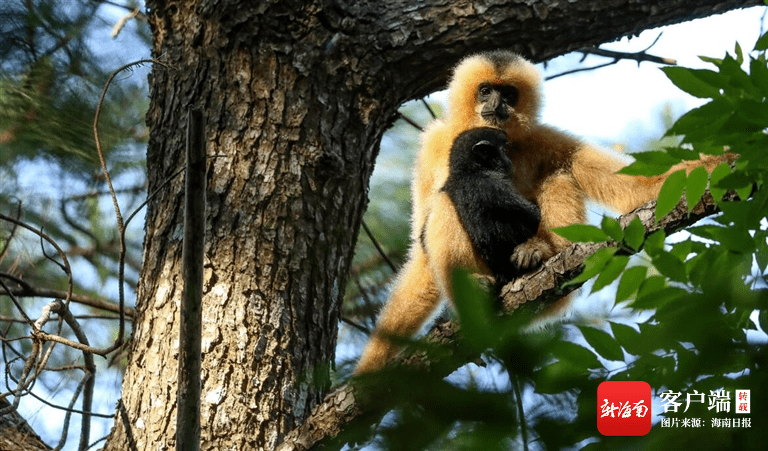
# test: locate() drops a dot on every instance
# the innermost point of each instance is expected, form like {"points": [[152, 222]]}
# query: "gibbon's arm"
{"points": [[542, 169], [591, 174], [430, 173], [595, 171]]}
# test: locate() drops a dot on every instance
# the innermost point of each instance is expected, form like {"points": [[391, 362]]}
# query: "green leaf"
{"points": [[744, 191], [692, 82], [762, 42], [763, 319], [695, 186], [761, 256], [733, 238], [758, 72], [651, 285], [739, 53], [650, 163], [593, 265], [603, 344], [753, 112], [654, 244], [550, 378], [708, 59], [738, 181], [630, 282], [740, 213], [703, 122], [684, 154], [628, 338], [612, 228], [670, 266], [658, 297], [698, 266], [670, 193], [634, 234], [475, 309], [717, 174], [610, 272], [581, 233], [682, 249], [737, 78], [577, 355]]}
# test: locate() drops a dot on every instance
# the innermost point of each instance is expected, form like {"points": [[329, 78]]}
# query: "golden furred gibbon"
{"points": [[549, 168]]}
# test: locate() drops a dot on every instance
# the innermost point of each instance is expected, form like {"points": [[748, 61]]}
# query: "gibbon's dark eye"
{"points": [[484, 91]]}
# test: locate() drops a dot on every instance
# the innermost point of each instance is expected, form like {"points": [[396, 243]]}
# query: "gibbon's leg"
{"points": [[413, 299], [595, 172], [562, 203]]}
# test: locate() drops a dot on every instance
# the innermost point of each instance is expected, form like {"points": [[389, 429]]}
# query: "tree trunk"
{"points": [[286, 194], [296, 96]]}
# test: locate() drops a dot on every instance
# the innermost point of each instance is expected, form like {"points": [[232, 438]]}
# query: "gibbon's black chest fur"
{"points": [[496, 217]]}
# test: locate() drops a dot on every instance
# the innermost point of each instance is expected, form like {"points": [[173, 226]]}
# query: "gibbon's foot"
{"points": [[529, 255]]}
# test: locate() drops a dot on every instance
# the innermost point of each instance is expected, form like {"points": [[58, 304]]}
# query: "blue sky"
{"points": [[609, 104]]}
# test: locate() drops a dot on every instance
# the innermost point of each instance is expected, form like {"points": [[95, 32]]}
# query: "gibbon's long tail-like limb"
{"points": [[413, 298]]}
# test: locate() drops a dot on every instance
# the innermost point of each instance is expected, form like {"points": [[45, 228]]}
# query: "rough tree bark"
{"points": [[296, 96]]}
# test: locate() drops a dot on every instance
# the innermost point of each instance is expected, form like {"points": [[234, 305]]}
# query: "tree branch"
{"points": [[534, 291], [24, 289], [422, 52]]}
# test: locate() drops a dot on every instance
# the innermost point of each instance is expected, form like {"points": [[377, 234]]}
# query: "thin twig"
{"points": [[64, 266], [118, 216], [24, 289], [410, 121], [9, 238], [429, 108], [514, 379], [89, 379], [617, 56], [153, 194], [16, 302], [378, 247]]}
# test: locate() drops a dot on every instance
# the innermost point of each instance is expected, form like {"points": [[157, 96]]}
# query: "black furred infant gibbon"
{"points": [[551, 169], [495, 216]]}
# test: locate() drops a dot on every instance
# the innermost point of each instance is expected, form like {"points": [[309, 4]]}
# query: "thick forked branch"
{"points": [[419, 43], [535, 291]]}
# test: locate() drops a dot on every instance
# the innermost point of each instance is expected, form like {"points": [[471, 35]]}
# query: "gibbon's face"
{"points": [[496, 103], [499, 89]]}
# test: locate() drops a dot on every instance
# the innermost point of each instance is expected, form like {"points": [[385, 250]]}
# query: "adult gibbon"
{"points": [[550, 168]]}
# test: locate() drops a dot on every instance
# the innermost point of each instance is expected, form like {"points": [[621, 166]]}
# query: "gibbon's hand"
{"points": [[530, 254]]}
